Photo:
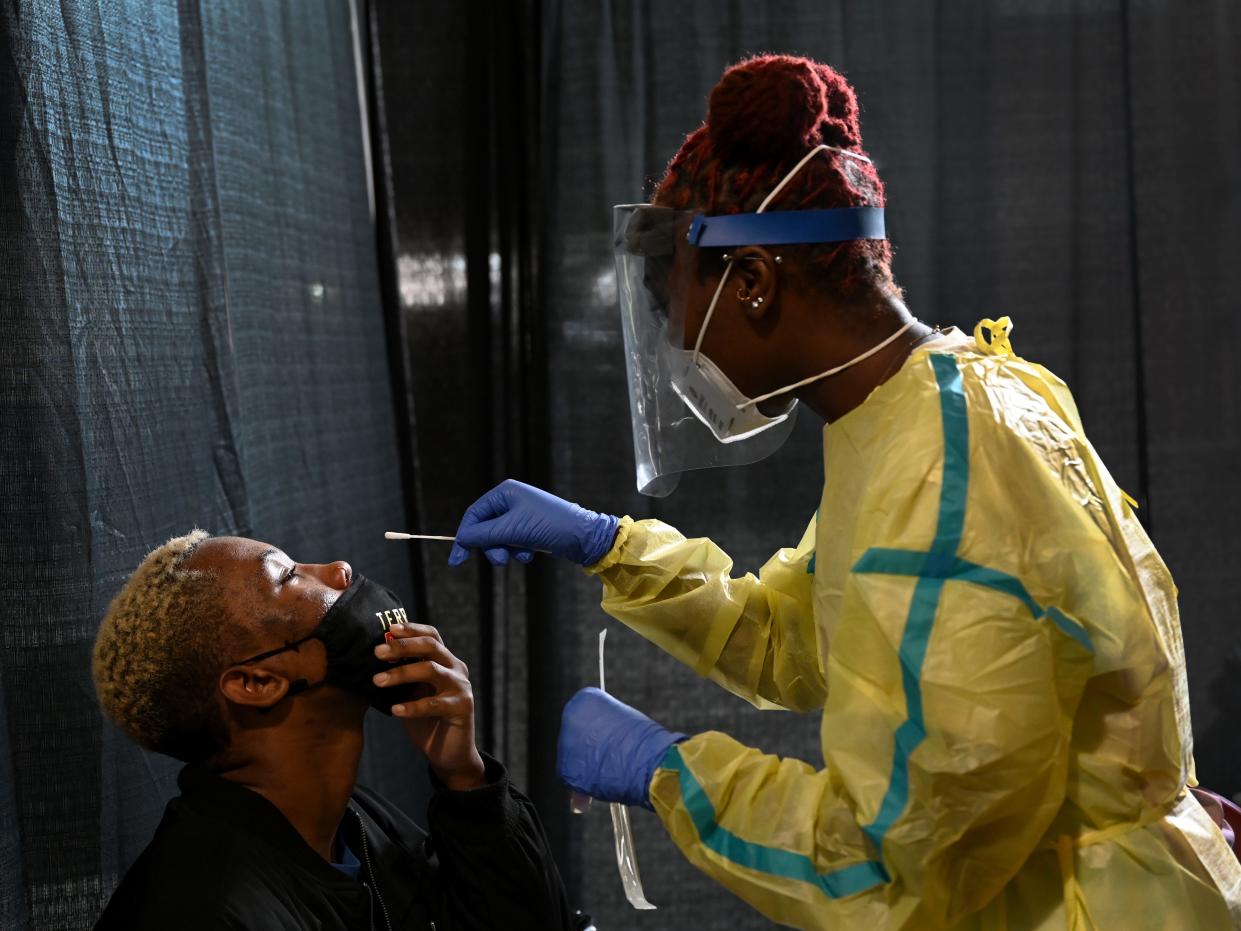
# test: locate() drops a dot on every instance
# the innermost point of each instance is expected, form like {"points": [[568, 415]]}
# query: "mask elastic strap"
{"points": [[297, 686], [840, 368], [258, 657], [800, 165], [702, 331]]}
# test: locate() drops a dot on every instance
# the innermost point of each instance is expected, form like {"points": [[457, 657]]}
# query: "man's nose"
{"points": [[337, 574]]}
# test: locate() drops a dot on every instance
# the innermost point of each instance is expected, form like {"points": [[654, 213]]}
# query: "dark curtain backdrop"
{"points": [[191, 334], [1071, 164], [454, 97]]}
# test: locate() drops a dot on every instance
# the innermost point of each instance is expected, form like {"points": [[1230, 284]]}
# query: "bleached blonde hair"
{"points": [[158, 651]]}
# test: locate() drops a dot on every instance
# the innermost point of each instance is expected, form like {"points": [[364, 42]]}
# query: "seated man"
{"points": [[257, 671]]}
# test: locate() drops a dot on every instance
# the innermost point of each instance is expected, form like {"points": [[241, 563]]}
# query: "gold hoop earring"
{"points": [[743, 294]]}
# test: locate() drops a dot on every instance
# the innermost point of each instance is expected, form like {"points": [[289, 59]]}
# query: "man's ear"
{"points": [[253, 686], [755, 269]]}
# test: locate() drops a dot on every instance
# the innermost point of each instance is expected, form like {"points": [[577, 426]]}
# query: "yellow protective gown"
{"points": [[995, 647]]}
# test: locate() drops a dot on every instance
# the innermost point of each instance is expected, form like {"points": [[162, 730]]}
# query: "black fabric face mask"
{"points": [[354, 625]]}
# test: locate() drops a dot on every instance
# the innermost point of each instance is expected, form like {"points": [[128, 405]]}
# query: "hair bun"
{"points": [[841, 121], [773, 108]]}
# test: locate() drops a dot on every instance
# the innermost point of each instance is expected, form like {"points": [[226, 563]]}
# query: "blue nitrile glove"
{"points": [[516, 519], [608, 750]]}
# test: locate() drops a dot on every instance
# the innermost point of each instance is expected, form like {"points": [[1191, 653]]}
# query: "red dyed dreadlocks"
{"points": [[763, 116]]}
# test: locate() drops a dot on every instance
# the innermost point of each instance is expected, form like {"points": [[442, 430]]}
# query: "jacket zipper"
{"points": [[366, 858]]}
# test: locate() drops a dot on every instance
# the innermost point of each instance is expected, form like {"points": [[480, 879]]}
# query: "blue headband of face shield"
{"points": [[787, 227]]}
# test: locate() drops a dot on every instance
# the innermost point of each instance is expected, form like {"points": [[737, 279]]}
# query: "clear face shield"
{"points": [[686, 412], [680, 420]]}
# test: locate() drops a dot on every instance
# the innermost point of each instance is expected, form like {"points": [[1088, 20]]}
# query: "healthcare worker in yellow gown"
{"points": [[989, 633]]}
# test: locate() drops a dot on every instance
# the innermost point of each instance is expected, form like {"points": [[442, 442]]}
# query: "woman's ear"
{"points": [[755, 269], [253, 686]]}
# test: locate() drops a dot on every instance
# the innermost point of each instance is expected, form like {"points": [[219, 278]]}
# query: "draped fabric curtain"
{"points": [[191, 334], [456, 146]]}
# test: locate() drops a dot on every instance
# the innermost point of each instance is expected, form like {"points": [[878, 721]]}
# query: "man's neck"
{"points": [[309, 780]]}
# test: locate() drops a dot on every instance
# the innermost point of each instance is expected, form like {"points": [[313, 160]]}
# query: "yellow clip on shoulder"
{"points": [[997, 330]]}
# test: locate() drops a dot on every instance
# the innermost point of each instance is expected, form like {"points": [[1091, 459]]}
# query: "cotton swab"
{"points": [[396, 535]]}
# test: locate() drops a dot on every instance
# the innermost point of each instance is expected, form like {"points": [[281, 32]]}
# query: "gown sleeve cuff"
{"points": [[614, 554]]}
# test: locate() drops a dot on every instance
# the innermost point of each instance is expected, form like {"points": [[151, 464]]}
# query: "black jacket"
{"points": [[224, 857]]}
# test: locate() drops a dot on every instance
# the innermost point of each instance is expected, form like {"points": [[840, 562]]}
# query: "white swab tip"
{"points": [[394, 535]]}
